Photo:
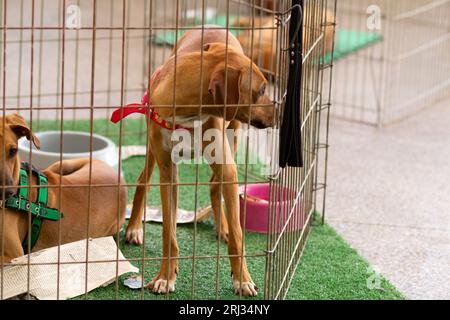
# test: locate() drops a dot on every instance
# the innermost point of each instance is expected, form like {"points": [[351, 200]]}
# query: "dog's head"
{"points": [[242, 84], [12, 128]]}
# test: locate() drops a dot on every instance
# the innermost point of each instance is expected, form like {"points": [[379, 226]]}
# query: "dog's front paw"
{"points": [[223, 236], [134, 236], [161, 286], [246, 289]]}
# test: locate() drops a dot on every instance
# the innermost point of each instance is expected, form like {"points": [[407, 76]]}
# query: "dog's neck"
{"points": [[189, 121]]}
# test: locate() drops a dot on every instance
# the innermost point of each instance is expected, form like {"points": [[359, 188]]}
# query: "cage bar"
{"points": [[403, 70], [67, 65]]}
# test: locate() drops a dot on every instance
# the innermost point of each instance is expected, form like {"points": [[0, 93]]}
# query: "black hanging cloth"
{"points": [[290, 132]]}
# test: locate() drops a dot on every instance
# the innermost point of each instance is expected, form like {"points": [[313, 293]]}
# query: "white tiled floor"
{"points": [[389, 196]]}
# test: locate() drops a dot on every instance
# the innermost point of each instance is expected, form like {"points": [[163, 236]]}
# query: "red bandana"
{"points": [[145, 107]]}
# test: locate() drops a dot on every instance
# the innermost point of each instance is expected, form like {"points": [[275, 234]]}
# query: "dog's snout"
{"points": [[7, 189], [258, 124], [260, 118], [8, 192], [263, 117]]}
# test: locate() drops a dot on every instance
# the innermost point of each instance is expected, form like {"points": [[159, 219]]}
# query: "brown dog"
{"points": [[191, 41], [246, 102], [107, 203], [261, 44]]}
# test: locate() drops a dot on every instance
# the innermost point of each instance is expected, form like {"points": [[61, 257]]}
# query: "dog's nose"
{"points": [[258, 124], [262, 121], [263, 117], [8, 193]]}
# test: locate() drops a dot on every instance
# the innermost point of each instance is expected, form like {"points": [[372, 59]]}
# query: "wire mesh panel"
{"points": [[295, 191], [70, 66], [397, 58]]}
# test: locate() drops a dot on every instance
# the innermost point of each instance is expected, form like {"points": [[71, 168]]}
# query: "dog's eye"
{"points": [[12, 152], [262, 91]]}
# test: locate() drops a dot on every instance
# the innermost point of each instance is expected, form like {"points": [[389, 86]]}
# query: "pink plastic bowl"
{"points": [[257, 212]]}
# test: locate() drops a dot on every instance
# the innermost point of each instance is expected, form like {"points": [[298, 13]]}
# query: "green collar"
{"points": [[38, 210]]}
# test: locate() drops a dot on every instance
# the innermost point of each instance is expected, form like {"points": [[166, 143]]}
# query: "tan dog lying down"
{"points": [[245, 86], [107, 214]]}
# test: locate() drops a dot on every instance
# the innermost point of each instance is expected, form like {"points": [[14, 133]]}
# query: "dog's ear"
{"points": [[217, 87], [206, 47], [20, 127], [214, 46]]}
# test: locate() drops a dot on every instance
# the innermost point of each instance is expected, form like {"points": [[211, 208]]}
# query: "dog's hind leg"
{"points": [[134, 233], [219, 212], [215, 190]]}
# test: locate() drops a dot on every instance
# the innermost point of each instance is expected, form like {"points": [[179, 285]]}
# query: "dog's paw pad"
{"points": [[246, 289], [134, 236], [161, 286]]}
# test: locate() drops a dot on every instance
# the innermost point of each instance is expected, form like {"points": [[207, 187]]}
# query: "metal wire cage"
{"points": [[67, 65], [403, 71]]}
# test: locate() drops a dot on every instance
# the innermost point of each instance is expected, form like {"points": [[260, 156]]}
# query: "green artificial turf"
{"points": [[351, 41], [329, 269]]}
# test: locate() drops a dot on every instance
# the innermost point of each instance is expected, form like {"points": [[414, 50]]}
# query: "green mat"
{"points": [[351, 41]]}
